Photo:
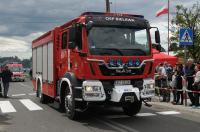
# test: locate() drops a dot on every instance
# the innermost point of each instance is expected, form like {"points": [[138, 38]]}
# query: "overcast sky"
{"points": [[22, 21]]}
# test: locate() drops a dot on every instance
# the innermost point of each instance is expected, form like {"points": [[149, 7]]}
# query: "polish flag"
{"points": [[162, 11]]}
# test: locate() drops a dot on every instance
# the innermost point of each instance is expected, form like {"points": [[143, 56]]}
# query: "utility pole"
{"points": [[107, 6], [168, 45]]}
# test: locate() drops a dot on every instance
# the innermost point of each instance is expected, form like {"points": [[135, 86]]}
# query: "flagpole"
{"points": [[168, 27]]}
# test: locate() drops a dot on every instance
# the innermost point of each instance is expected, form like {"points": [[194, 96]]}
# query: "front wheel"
{"points": [[132, 109], [70, 105]]}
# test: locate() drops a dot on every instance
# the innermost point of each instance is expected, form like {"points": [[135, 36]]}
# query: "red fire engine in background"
{"points": [[97, 58], [17, 70]]}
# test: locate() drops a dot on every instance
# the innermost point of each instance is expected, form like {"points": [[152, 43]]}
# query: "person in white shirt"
{"points": [[196, 85], [163, 82], [162, 70]]}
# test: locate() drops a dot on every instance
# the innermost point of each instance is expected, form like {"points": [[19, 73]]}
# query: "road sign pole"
{"points": [[185, 58]]}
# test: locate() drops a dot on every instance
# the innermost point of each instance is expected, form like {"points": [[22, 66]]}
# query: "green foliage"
{"points": [[27, 63], [187, 17]]}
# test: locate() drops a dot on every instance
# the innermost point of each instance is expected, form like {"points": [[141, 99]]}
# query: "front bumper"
{"points": [[17, 78], [94, 90], [125, 93]]}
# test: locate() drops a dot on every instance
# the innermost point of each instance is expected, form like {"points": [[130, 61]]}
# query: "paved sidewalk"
{"points": [[155, 102]]}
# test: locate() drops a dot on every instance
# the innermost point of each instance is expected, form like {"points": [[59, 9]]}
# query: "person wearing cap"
{"points": [[196, 86], [6, 78]]}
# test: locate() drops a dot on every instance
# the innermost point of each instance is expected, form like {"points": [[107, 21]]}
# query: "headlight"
{"points": [[151, 86], [92, 88], [88, 88]]}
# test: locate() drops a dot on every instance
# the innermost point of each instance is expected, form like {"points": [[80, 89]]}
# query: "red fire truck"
{"points": [[17, 70], [96, 58]]}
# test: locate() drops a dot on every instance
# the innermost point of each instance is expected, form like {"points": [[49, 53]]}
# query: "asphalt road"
{"points": [[22, 112]]}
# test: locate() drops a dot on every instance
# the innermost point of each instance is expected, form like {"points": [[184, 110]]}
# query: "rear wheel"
{"points": [[70, 106], [132, 109], [43, 98]]}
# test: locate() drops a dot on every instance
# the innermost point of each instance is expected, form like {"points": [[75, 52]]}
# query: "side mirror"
{"points": [[71, 45], [157, 37]]}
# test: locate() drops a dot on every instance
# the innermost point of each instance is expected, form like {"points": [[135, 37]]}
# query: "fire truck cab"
{"points": [[97, 58], [17, 71]]}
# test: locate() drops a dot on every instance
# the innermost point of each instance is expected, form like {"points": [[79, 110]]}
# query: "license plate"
{"points": [[129, 99], [122, 82]]}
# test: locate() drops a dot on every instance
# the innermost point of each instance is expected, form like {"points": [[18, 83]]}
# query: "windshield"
{"points": [[16, 69], [118, 41]]}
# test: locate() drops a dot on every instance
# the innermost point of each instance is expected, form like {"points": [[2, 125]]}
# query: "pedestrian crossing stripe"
{"points": [[7, 107], [168, 113], [30, 105], [186, 37], [145, 114], [16, 95]]}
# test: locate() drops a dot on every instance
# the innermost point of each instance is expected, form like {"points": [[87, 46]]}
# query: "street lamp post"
{"points": [[107, 6]]}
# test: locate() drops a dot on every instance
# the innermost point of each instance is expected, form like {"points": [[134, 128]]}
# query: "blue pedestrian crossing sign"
{"points": [[185, 36]]}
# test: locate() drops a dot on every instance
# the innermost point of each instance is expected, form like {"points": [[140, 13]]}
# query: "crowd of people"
{"points": [[174, 79]]}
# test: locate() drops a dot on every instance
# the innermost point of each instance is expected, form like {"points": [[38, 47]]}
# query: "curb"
{"points": [[183, 108]]}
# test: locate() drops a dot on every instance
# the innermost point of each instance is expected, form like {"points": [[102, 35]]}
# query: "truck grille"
{"points": [[113, 72]]}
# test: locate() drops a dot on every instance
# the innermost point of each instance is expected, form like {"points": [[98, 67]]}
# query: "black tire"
{"points": [[70, 106], [43, 98], [62, 103], [132, 109]]}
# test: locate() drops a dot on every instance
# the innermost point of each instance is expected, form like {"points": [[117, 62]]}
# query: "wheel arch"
{"points": [[69, 80], [38, 81]]}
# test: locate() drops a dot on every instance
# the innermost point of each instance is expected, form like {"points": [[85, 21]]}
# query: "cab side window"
{"points": [[79, 38], [64, 40]]}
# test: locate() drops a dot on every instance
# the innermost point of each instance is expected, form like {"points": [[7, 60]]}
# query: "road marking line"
{"points": [[168, 112], [6, 107], [32, 94], [145, 114], [15, 95], [116, 116], [30, 105], [25, 85], [118, 126], [110, 125]]}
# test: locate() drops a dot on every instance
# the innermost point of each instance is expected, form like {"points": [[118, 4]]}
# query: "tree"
{"points": [[27, 63], [187, 17]]}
